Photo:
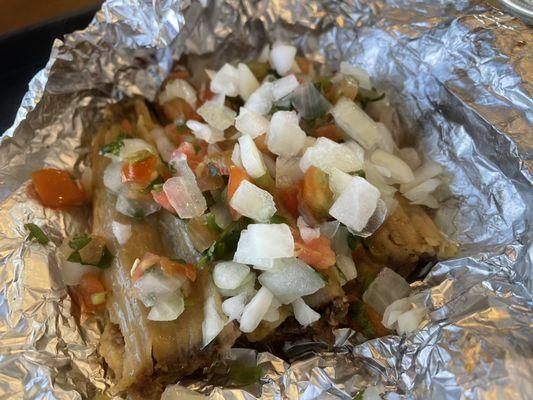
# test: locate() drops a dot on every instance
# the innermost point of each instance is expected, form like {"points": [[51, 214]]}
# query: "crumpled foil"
{"points": [[460, 75]]}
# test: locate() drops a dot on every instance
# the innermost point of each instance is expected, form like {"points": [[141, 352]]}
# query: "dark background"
{"points": [[26, 40]]}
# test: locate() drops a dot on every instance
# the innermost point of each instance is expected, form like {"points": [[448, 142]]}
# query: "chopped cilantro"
{"points": [[156, 183], [242, 375], [78, 242], [352, 241], [226, 242], [74, 257], [211, 222], [359, 315], [360, 173], [37, 233], [359, 396], [188, 302], [278, 219], [114, 146], [106, 259]]}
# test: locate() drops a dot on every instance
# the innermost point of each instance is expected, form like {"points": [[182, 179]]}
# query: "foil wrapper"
{"points": [[460, 75]]}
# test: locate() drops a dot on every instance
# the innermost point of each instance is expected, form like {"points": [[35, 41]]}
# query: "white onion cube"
{"points": [[213, 322], [285, 137], [291, 279], [284, 86], [253, 202], [282, 57], [356, 204], [255, 310], [399, 170], [247, 82], [288, 171], [251, 123], [428, 170], [338, 181], [205, 132], [326, 154], [356, 123], [185, 196], [251, 157], [217, 115], [261, 242], [411, 157], [225, 81], [385, 289], [178, 88], [358, 73], [304, 314], [229, 274], [233, 307], [306, 232], [261, 100]]}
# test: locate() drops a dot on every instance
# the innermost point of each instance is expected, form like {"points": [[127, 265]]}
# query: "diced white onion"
{"points": [[428, 201], [338, 181], [233, 307], [326, 154], [284, 86], [261, 100], [428, 170], [255, 310], [113, 177], [421, 191], [136, 208], [236, 155], [358, 73], [264, 56], [400, 171], [247, 287], [217, 115], [347, 267], [408, 322], [222, 214], [168, 307], [185, 196], [356, 204], [247, 82], [230, 274], [251, 157], [411, 157], [205, 132], [306, 232], [290, 279], [304, 314], [385, 289], [329, 228], [122, 232], [72, 272], [386, 142], [260, 242], [272, 315], [288, 171], [284, 136], [225, 81], [282, 57], [178, 88], [356, 123], [133, 147], [213, 322], [164, 146], [251, 123]]}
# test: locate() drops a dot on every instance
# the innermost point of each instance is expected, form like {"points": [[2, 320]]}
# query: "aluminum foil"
{"points": [[461, 77]]}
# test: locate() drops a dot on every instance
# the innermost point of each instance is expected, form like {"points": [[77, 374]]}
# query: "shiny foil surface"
{"points": [[460, 75]]}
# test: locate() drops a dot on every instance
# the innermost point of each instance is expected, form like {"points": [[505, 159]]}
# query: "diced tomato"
{"points": [[304, 64], [90, 285], [141, 172], [57, 188], [316, 192], [236, 176], [289, 197], [206, 93], [317, 252], [194, 158], [329, 131], [173, 268], [162, 199]]}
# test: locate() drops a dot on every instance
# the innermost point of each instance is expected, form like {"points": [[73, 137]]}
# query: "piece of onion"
{"points": [[282, 57], [255, 310], [251, 157], [309, 102], [213, 322], [251, 123], [304, 314], [399, 170], [385, 289]]}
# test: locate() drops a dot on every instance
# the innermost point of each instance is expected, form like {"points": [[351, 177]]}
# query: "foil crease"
{"points": [[460, 75]]}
